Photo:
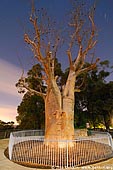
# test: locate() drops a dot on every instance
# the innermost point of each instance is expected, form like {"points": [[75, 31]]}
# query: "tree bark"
{"points": [[52, 110], [68, 104], [59, 110]]}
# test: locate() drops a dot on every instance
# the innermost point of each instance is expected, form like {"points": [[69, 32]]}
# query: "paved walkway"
{"points": [[6, 164]]}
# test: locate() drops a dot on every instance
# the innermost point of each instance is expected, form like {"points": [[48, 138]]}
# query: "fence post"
{"points": [[11, 143], [110, 140], [67, 152]]}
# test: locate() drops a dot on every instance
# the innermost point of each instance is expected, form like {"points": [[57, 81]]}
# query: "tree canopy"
{"points": [[6, 125], [95, 101]]}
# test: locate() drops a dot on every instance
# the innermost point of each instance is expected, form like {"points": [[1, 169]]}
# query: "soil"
{"points": [[81, 153]]}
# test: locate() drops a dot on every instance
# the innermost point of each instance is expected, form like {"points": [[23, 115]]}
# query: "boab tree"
{"points": [[59, 102]]}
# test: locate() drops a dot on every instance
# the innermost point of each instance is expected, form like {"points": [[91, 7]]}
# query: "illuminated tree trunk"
{"points": [[59, 111]]}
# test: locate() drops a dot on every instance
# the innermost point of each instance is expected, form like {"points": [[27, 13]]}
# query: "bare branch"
{"points": [[34, 91], [91, 42], [70, 59], [55, 47], [22, 84], [91, 67], [79, 60], [84, 78], [37, 53], [36, 48]]}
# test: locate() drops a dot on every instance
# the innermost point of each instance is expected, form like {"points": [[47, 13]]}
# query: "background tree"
{"points": [[6, 125], [95, 101], [59, 102], [31, 112]]}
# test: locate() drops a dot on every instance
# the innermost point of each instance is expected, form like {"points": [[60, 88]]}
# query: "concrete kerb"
{"points": [[6, 164]]}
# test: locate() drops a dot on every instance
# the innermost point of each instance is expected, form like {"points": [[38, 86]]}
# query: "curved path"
{"points": [[6, 164]]}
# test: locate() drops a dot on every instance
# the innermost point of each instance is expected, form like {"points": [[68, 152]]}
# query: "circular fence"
{"points": [[31, 149]]}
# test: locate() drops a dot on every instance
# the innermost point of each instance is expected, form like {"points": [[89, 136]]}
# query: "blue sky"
{"points": [[14, 20]]}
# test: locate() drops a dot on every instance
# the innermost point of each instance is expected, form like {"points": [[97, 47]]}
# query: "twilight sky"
{"points": [[14, 54]]}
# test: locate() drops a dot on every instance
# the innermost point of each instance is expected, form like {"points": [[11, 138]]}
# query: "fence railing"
{"points": [[30, 147], [99, 134], [5, 133]]}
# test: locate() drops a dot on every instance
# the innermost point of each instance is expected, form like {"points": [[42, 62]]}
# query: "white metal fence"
{"points": [[30, 147]]}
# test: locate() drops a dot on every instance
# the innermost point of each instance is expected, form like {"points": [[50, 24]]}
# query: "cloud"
{"points": [[8, 113], [9, 75], [9, 96]]}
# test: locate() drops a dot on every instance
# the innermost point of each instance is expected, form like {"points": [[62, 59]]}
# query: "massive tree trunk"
{"points": [[68, 104], [52, 110], [59, 110]]}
